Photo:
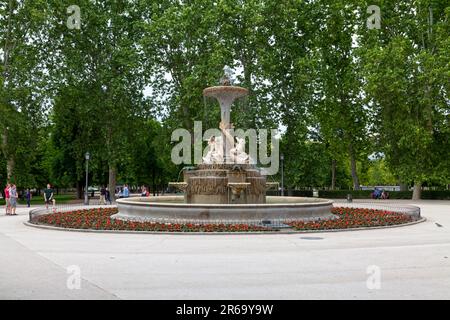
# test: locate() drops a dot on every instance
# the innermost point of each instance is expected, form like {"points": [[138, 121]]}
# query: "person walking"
{"points": [[108, 196], [7, 206], [28, 197], [102, 195], [48, 197], [13, 199], [126, 191]]}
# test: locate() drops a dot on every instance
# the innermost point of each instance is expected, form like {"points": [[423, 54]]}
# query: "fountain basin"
{"points": [[169, 208], [225, 92]]}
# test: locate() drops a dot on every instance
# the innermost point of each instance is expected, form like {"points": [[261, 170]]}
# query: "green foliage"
{"points": [[340, 91], [378, 174], [406, 67], [22, 87]]}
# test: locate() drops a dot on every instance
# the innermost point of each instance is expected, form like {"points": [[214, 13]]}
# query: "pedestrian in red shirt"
{"points": [[7, 204]]}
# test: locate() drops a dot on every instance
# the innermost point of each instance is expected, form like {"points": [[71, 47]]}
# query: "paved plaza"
{"points": [[411, 262]]}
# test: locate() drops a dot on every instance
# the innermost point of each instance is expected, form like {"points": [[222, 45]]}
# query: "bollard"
{"points": [[349, 197]]}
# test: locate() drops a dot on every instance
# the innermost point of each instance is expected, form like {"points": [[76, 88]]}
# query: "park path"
{"points": [[414, 263], [28, 274]]}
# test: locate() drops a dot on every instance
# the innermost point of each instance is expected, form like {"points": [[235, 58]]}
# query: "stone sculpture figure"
{"points": [[223, 149], [215, 152], [238, 154]]}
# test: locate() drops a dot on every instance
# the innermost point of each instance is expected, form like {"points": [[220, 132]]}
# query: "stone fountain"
{"points": [[226, 175], [226, 186]]}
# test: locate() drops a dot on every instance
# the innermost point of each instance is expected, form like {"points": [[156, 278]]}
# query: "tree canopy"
{"points": [[356, 105]]}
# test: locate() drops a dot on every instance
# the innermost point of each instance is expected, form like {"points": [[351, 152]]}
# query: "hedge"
{"points": [[365, 194], [291, 193]]}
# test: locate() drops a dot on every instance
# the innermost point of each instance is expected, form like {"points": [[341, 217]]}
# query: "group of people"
{"points": [[380, 194], [11, 197], [144, 192], [124, 192], [105, 195]]}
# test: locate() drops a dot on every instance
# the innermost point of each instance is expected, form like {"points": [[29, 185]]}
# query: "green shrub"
{"points": [[291, 193], [300, 193], [342, 194], [436, 194], [365, 194]]}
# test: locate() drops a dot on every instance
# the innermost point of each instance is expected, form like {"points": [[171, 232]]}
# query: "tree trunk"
{"points": [[333, 174], [250, 118], [112, 182], [187, 119], [9, 159], [417, 192], [153, 181], [8, 46], [10, 168], [353, 168], [8, 43], [403, 186], [79, 190]]}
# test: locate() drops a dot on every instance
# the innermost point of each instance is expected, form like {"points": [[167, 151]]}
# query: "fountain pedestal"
{"points": [[215, 183]]}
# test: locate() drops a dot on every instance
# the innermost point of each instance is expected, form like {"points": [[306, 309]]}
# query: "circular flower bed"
{"points": [[100, 219], [354, 218]]}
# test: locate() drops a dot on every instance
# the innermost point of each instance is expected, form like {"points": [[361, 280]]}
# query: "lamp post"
{"points": [[86, 197], [282, 174]]}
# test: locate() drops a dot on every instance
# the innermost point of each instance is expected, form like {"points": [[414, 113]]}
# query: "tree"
{"points": [[406, 66], [103, 62], [21, 84], [340, 112]]}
